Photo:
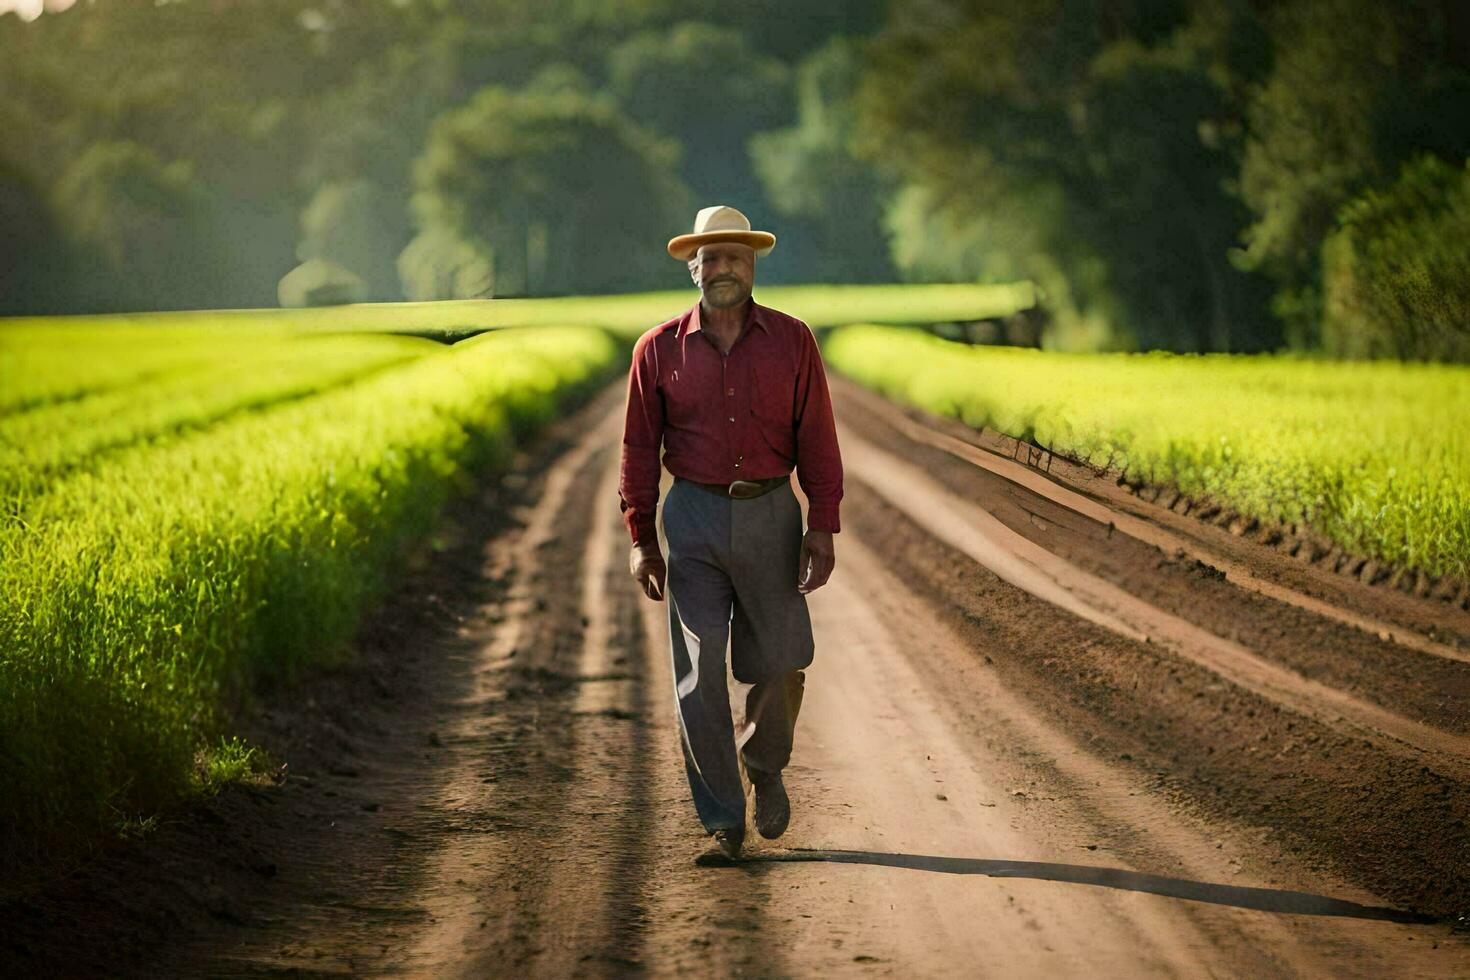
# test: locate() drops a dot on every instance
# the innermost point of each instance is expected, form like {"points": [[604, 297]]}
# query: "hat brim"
{"points": [[683, 247]]}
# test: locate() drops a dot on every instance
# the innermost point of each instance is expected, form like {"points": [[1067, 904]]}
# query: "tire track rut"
{"points": [[972, 530]]}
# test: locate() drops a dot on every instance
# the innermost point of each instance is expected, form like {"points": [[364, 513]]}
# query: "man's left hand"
{"points": [[816, 562]]}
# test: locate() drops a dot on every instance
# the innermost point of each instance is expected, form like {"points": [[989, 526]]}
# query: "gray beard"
{"points": [[740, 298]]}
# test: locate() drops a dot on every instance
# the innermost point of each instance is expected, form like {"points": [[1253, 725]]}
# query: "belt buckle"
{"points": [[734, 491]]}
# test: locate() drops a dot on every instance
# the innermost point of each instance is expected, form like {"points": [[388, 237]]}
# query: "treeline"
{"points": [[1207, 175], [214, 153], [1212, 175]]}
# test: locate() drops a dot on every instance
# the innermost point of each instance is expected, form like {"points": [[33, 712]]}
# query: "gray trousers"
{"points": [[732, 574]]}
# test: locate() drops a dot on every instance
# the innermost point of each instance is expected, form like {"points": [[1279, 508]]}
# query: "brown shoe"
{"points": [[772, 808]]}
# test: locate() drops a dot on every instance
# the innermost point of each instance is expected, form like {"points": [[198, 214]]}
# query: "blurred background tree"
{"points": [[1087, 137], [710, 90], [359, 226], [130, 216], [438, 264], [35, 259], [1355, 90], [833, 201], [1396, 271], [1184, 174], [552, 174]]}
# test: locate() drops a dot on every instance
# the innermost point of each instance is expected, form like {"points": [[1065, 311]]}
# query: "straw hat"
{"points": [[721, 224]]}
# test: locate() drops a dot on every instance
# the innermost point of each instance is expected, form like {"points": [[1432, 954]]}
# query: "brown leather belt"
{"points": [[740, 489]]}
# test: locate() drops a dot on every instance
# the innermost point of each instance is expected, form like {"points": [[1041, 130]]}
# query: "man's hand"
{"points": [[816, 562], [647, 564]]}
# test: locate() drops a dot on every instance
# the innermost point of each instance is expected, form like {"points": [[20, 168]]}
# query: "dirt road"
{"points": [[1033, 744]]}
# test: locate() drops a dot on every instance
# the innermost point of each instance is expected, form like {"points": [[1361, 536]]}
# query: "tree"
{"points": [[1396, 272], [1095, 125], [232, 90], [1005, 240], [141, 223], [358, 226], [835, 200], [707, 88], [278, 105], [570, 194], [1355, 89], [35, 265], [1155, 204], [438, 264]]}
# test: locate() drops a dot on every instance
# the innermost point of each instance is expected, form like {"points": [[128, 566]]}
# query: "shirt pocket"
{"points": [[773, 408], [680, 387]]}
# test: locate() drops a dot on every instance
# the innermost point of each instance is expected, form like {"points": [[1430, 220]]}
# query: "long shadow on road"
{"points": [[1261, 899]]}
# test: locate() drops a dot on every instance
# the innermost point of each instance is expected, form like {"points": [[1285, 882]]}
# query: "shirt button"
{"points": [[737, 466], [729, 391], [732, 418]]}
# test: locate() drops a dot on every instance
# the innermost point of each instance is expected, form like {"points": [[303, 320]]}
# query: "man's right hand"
{"points": [[649, 571]]}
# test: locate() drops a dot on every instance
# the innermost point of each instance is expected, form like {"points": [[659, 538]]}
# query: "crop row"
{"points": [[44, 361], [140, 594], [39, 445], [1375, 455]]}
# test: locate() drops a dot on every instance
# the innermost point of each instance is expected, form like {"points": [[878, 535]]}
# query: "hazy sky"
{"points": [[31, 9]]}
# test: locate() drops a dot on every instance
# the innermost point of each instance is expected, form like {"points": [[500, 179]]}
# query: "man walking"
{"points": [[736, 395]]}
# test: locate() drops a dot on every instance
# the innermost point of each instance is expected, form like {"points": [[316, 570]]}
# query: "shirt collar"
{"points": [[755, 314]]}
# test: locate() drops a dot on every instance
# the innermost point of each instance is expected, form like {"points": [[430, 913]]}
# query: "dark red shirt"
{"points": [[758, 411]]}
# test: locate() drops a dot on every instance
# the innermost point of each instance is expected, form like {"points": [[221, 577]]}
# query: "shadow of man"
{"points": [[1239, 896]]}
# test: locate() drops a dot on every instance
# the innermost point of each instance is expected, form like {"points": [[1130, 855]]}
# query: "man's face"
{"points": [[724, 273]]}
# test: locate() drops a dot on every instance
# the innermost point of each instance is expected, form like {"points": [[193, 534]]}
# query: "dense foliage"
{"points": [[1160, 166], [149, 141], [1396, 273], [513, 168]]}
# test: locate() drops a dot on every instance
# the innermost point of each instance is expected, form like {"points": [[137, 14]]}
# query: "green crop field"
{"points": [[38, 446], [226, 520], [194, 501], [1375, 455]]}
